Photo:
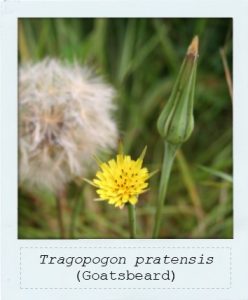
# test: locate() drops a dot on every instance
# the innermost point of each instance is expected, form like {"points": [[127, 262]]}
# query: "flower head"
{"points": [[64, 119], [121, 180], [176, 121]]}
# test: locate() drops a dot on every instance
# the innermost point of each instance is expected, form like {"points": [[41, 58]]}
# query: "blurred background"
{"points": [[141, 58]]}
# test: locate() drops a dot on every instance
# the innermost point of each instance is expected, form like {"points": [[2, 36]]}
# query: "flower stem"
{"points": [[60, 218], [75, 214], [169, 155], [61, 210], [132, 220]]}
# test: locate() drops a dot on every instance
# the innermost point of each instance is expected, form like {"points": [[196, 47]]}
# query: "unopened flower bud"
{"points": [[176, 122]]}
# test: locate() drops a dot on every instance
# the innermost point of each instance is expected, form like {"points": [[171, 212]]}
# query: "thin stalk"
{"points": [[169, 155], [60, 218], [76, 210], [61, 210], [227, 72], [132, 221]]}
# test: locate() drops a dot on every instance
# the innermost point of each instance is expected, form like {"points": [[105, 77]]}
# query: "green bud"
{"points": [[176, 121]]}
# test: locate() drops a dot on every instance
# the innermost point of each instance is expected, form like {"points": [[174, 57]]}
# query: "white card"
{"points": [[124, 149]]}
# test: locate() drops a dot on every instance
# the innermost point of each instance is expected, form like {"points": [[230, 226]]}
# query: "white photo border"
{"points": [[11, 245]]}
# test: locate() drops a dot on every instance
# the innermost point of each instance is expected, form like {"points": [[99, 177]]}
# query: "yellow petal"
{"points": [[133, 200]]}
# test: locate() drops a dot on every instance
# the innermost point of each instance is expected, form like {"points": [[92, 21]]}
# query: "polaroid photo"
{"points": [[124, 150]]}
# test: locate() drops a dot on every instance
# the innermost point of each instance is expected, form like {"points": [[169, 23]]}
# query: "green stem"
{"points": [[75, 214], [132, 220], [60, 216], [169, 155]]}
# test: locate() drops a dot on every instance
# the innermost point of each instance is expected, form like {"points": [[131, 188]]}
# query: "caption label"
{"points": [[125, 267]]}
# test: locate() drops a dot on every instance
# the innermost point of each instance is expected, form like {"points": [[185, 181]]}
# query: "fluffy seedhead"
{"points": [[65, 117]]}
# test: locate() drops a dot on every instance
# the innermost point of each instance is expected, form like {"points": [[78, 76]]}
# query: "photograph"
{"points": [[125, 128]]}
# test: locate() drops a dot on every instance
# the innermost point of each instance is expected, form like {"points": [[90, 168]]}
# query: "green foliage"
{"points": [[141, 58]]}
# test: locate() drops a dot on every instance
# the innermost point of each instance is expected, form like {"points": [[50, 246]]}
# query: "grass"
{"points": [[140, 58]]}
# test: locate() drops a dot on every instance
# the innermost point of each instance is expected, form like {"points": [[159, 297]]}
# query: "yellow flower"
{"points": [[121, 180]]}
